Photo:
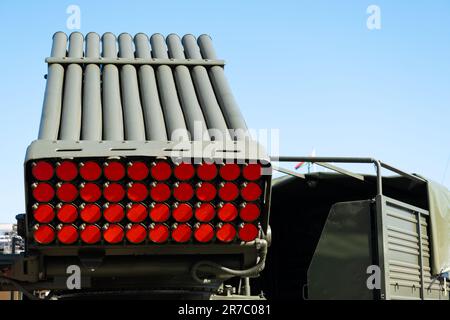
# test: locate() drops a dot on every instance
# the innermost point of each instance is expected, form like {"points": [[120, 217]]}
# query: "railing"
{"points": [[324, 162]]}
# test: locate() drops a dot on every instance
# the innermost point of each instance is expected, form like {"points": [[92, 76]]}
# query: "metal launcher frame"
{"points": [[154, 104]]}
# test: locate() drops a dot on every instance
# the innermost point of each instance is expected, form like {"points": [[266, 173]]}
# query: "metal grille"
{"points": [[408, 253]]}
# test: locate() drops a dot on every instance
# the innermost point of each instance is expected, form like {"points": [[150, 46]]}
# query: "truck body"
{"points": [[347, 238]]}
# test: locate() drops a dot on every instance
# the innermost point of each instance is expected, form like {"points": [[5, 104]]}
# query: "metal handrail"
{"points": [[378, 166]]}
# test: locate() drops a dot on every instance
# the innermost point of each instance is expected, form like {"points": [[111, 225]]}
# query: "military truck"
{"points": [[145, 182]]}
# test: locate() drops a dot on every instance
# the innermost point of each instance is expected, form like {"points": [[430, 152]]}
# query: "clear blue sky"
{"points": [[310, 68]]}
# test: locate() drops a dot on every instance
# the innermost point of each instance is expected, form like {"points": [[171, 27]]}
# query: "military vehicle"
{"points": [[145, 182]]}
